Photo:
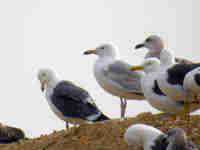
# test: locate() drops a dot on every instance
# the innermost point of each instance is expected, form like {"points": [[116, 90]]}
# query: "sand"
{"points": [[107, 135]]}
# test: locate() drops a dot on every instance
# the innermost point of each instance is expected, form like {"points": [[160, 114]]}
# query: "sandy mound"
{"points": [[106, 135]]}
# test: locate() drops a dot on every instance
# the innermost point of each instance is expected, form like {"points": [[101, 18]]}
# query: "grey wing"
{"points": [[119, 72]]}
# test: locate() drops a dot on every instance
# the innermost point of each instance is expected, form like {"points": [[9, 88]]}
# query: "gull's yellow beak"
{"points": [[134, 68], [43, 85], [89, 52]]}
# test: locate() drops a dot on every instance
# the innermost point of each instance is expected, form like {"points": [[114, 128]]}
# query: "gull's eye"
{"points": [[43, 74], [149, 63], [102, 47]]}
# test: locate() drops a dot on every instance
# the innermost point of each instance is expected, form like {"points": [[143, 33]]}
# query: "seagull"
{"points": [[152, 91], [150, 138], [114, 75], [171, 80], [145, 136], [10, 134], [155, 46], [68, 101]]}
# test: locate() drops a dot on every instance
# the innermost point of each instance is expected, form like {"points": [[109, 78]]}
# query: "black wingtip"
{"points": [[197, 78], [102, 118]]}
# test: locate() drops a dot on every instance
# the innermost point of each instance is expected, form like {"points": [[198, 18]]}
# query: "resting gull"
{"points": [[114, 75], [150, 138], [68, 101], [153, 93], [141, 135], [10, 134], [155, 46]]}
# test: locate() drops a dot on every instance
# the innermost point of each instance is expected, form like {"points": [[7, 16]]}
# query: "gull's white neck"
{"points": [[167, 58], [153, 53], [152, 69], [52, 83], [113, 57]]}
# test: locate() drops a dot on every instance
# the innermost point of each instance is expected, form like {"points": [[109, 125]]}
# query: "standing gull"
{"points": [[171, 80], [155, 46], [114, 75], [152, 91], [150, 138], [68, 101]]}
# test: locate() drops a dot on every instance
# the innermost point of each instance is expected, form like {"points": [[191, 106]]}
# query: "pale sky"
{"points": [[54, 33]]}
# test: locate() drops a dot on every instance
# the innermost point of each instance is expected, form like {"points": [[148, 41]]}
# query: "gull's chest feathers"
{"points": [[49, 93], [101, 74], [100, 67]]}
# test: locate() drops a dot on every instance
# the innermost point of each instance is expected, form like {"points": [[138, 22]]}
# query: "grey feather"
{"points": [[120, 73]]}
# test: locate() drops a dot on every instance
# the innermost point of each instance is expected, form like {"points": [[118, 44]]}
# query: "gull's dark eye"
{"points": [[149, 63], [102, 48], [43, 74]]}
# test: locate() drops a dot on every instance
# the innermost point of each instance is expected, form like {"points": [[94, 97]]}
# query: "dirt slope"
{"points": [[106, 135]]}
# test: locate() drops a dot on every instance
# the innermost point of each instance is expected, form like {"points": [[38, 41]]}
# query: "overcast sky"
{"points": [[54, 33]]}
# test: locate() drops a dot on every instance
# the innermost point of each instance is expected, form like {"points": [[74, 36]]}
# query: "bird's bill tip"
{"points": [[43, 86], [138, 46], [134, 68], [87, 52]]}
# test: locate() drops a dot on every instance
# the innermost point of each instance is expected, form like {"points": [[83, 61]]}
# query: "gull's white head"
{"points": [[148, 65], [140, 135], [45, 76], [153, 43], [104, 50]]}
